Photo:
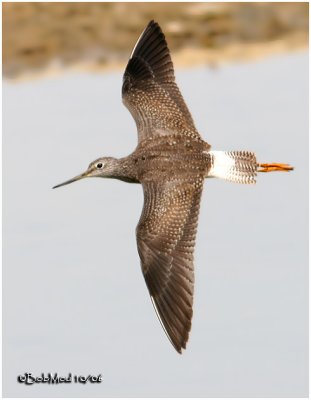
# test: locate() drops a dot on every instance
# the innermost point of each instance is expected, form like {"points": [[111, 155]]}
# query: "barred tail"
{"points": [[234, 166], [240, 166]]}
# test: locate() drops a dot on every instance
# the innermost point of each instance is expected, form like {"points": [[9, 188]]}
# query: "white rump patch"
{"points": [[234, 166], [222, 165]]}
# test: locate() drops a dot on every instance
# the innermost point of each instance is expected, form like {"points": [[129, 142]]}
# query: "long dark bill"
{"points": [[76, 178]]}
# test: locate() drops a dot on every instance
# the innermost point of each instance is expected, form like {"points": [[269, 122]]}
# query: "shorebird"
{"points": [[171, 162]]}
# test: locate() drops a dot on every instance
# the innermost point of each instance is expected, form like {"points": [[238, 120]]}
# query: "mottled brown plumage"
{"points": [[149, 90], [172, 176], [171, 162]]}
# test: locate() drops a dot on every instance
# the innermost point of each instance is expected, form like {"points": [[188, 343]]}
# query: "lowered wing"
{"points": [[166, 238]]}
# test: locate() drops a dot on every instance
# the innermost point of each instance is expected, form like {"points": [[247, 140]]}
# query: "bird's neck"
{"points": [[123, 170]]}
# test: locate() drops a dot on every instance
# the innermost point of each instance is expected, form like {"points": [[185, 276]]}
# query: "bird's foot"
{"points": [[274, 167]]}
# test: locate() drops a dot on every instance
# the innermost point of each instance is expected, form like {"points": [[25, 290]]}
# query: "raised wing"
{"points": [[149, 90], [166, 238]]}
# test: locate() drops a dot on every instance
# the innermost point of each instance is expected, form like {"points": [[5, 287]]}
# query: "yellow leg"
{"points": [[274, 167]]}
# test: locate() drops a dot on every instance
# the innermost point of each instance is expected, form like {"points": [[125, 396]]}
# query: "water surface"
{"points": [[74, 296]]}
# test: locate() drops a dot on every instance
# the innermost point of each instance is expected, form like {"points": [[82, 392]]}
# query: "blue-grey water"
{"points": [[74, 299]]}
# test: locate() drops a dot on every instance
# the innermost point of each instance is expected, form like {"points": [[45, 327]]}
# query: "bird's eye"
{"points": [[99, 165]]}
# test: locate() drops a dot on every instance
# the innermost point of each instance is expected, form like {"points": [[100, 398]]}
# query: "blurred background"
{"points": [[74, 298], [42, 36]]}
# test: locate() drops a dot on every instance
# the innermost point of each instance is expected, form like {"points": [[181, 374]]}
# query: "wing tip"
{"points": [[151, 28], [153, 23], [180, 349], [179, 346]]}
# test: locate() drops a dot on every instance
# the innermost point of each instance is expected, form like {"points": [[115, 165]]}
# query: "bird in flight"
{"points": [[171, 162]]}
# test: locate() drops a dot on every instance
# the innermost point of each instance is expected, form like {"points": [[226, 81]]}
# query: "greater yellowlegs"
{"points": [[171, 162]]}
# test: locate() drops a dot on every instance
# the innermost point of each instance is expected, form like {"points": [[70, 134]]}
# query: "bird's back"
{"points": [[161, 158]]}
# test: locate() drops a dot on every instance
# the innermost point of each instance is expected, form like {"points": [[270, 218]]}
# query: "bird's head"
{"points": [[102, 167]]}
